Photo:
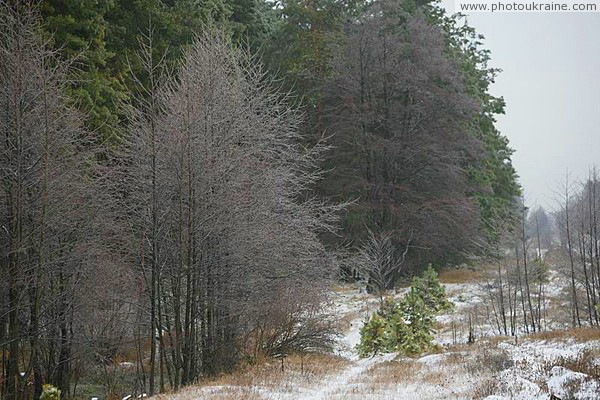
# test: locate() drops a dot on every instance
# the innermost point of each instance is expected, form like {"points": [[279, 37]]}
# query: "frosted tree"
{"points": [[220, 194]]}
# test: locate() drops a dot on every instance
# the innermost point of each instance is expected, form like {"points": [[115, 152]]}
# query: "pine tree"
{"points": [[373, 336], [431, 291], [79, 29], [411, 326]]}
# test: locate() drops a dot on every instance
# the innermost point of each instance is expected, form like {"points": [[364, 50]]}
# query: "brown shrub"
{"points": [[585, 363], [485, 388], [488, 360], [269, 373]]}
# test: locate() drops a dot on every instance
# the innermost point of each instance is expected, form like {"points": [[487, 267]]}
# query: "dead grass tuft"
{"points": [[247, 382], [488, 360], [454, 358], [344, 323], [485, 388], [234, 393], [392, 372], [494, 341], [577, 334], [488, 342], [434, 377], [584, 363]]}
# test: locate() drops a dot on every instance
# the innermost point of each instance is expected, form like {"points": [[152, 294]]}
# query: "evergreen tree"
{"points": [[79, 29], [411, 326], [406, 326], [105, 36], [300, 49], [431, 291], [373, 336]]}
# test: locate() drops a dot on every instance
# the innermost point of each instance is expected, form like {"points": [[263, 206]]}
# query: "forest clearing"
{"points": [[562, 362]]}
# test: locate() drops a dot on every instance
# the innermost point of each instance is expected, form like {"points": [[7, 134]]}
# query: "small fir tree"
{"points": [[373, 336], [406, 326], [411, 327], [433, 293]]}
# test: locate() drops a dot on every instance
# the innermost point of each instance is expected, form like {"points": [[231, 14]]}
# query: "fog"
{"points": [[551, 84]]}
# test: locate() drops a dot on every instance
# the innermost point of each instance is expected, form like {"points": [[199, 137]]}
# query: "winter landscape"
{"points": [[562, 362], [296, 199]]}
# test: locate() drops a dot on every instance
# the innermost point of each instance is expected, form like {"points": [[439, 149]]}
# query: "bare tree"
{"points": [[396, 109], [524, 242], [51, 236], [565, 227], [380, 262], [236, 224], [578, 228], [184, 239]]}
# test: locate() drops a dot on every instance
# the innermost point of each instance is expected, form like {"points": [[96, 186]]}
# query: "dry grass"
{"points": [[345, 321], [434, 377], [270, 374], [460, 275], [231, 393], [485, 388], [481, 357], [585, 363], [248, 382], [577, 334], [438, 376], [494, 341], [412, 371], [218, 392], [453, 359], [487, 342], [489, 360], [389, 374], [344, 288], [392, 372]]}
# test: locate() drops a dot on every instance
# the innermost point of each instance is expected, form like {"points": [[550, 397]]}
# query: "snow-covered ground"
{"points": [[494, 368], [536, 371]]}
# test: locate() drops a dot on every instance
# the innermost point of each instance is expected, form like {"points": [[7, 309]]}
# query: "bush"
{"points": [[406, 326], [50, 392]]}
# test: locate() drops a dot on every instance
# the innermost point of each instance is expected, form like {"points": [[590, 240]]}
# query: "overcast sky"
{"points": [[551, 84]]}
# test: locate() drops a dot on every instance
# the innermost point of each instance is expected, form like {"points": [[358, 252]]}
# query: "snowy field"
{"points": [[563, 363]]}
